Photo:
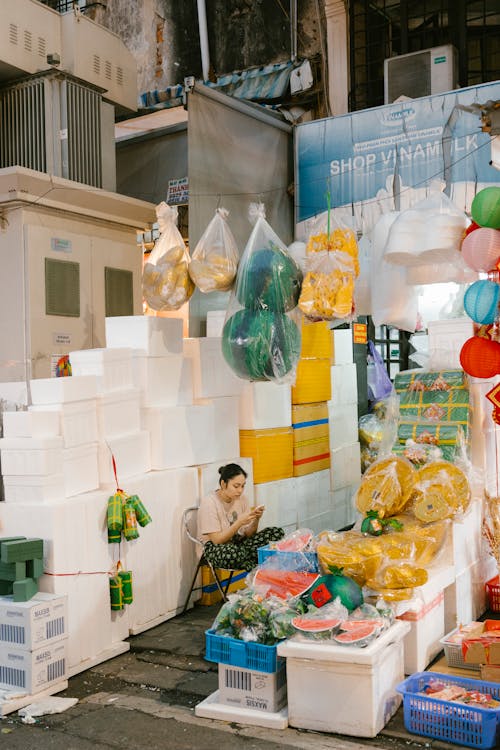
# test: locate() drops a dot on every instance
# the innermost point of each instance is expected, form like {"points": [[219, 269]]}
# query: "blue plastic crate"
{"points": [[444, 720], [249, 655], [309, 559]]}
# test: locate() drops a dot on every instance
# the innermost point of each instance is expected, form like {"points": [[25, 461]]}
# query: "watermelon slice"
{"points": [[357, 624], [294, 544], [284, 583], [315, 625], [357, 632]]}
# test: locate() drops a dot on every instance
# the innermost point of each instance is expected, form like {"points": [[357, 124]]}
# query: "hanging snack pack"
{"points": [[331, 268], [124, 515], [260, 339], [215, 259], [166, 283]]}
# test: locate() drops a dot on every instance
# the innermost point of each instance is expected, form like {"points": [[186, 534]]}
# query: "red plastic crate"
{"points": [[493, 591]]}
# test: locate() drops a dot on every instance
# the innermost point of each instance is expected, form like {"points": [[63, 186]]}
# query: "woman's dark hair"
{"points": [[229, 471]]}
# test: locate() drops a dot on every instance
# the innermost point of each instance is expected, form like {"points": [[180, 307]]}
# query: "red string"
{"points": [[78, 573], [116, 476]]}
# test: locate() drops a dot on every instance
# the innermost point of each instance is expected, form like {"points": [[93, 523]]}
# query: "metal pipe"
{"points": [[293, 30], [203, 30]]}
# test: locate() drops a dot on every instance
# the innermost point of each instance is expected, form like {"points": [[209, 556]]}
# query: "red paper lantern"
{"points": [[480, 357], [481, 249], [472, 226]]}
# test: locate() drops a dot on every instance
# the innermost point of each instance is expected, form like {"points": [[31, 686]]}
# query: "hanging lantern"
{"points": [[471, 228], [481, 301], [481, 249], [480, 357], [485, 209]]}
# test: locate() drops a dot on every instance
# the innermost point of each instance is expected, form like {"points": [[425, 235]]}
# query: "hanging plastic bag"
{"points": [[379, 383], [215, 258], [261, 339], [166, 284], [331, 267]]}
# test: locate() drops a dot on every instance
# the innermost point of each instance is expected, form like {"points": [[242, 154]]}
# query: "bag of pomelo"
{"points": [[215, 258]]}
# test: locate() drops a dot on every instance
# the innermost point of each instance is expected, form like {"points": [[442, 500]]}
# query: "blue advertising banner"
{"points": [[387, 150]]}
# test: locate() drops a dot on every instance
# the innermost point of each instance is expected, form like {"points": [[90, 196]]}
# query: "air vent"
{"points": [[42, 47], [97, 65], [119, 76], [119, 291], [107, 69], [28, 40], [62, 288], [13, 33]]}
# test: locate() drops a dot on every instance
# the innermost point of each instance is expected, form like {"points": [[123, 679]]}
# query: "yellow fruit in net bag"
{"points": [[391, 595], [386, 486]]}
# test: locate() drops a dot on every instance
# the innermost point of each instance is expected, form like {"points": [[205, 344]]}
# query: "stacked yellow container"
{"points": [[271, 451], [312, 389]]}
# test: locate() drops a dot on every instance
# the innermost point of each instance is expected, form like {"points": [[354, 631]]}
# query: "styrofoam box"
{"points": [[34, 489], [31, 456], [345, 466], [342, 504], [62, 526], [180, 435], [247, 688], [322, 680], [465, 599], [215, 322], [62, 390], [464, 541], [89, 615], [156, 336], [263, 406], [425, 615], [212, 376], [81, 469], [312, 494], [132, 456], [35, 670], [119, 414], [280, 501], [446, 338], [32, 624], [343, 424], [161, 379], [208, 475], [344, 384], [226, 434], [78, 420], [342, 346], [212, 708], [31, 424], [112, 367]]}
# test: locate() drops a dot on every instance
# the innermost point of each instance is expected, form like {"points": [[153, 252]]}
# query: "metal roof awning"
{"points": [[255, 84]]}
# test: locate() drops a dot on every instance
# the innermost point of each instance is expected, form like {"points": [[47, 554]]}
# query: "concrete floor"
{"points": [[145, 699]]}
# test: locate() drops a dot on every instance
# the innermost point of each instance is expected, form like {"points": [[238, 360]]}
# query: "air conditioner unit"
{"points": [[430, 71]]}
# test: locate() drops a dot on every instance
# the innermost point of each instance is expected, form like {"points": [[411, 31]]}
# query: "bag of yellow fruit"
{"points": [[331, 267], [166, 284], [335, 551], [396, 580], [442, 491], [386, 486], [215, 258]]}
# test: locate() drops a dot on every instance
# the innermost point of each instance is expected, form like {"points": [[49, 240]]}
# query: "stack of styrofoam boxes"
{"points": [[50, 455], [265, 413], [345, 469], [118, 412], [426, 617], [33, 647], [446, 338]]}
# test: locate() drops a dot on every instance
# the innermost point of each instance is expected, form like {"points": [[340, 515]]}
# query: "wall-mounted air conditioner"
{"points": [[430, 71]]}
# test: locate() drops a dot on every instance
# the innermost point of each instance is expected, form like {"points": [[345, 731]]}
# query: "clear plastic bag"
{"points": [[166, 284], [332, 265], [386, 486], [261, 337], [215, 258], [442, 491]]}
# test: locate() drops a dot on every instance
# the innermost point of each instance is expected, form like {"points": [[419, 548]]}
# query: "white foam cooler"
{"points": [[156, 336], [344, 689], [161, 380], [119, 413], [31, 424], [77, 420], [112, 367]]}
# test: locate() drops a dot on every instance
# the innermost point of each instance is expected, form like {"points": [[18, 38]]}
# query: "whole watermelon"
{"points": [[260, 345], [269, 279], [328, 587]]}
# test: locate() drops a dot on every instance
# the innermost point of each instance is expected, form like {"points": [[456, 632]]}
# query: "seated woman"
{"points": [[228, 526]]}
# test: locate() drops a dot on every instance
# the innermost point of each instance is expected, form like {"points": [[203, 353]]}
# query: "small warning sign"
{"points": [[359, 333]]}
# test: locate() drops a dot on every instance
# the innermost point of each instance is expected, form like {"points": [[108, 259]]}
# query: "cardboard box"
{"points": [[484, 647], [312, 382], [33, 671], [490, 672], [271, 452], [248, 688], [35, 623], [317, 340]]}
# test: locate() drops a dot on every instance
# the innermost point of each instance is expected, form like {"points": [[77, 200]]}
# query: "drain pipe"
{"points": [[338, 56], [202, 26]]}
